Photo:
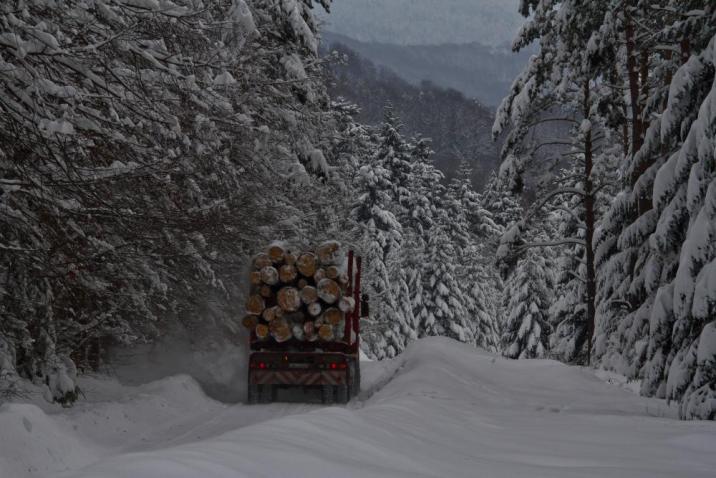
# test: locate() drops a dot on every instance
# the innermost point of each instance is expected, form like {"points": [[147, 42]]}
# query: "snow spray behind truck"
{"points": [[303, 314]]}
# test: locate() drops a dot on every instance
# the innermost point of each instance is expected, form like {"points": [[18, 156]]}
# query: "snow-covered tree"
{"points": [[138, 142], [527, 296]]}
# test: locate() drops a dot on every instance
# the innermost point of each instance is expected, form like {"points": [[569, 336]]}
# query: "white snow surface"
{"points": [[441, 409]]}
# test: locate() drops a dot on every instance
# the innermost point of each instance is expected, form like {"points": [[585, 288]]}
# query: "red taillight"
{"points": [[262, 365], [334, 366]]}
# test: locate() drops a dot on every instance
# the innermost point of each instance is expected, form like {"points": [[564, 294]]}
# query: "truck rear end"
{"points": [[312, 363]]}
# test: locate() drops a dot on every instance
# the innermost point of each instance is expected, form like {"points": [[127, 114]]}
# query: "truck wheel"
{"points": [[253, 394], [327, 394], [342, 394], [266, 393]]}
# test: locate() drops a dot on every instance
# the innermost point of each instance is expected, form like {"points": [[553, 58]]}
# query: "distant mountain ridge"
{"points": [[426, 22], [478, 71], [460, 128]]}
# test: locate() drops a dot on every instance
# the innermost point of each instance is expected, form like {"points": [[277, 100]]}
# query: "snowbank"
{"points": [[441, 409]]}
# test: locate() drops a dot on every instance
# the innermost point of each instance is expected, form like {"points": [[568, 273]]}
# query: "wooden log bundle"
{"points": [[298, 295]]}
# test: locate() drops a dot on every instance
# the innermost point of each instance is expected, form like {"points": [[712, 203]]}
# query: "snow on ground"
{"points": [[442, 409]]}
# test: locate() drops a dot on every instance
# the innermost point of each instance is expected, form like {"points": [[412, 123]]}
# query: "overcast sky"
{"points": [[490, 22]]}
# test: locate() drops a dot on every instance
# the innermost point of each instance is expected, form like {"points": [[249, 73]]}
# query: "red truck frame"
{"points": [[333, 367]]}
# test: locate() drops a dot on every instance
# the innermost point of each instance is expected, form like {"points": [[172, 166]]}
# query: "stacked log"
{"points": [[299, 295]]}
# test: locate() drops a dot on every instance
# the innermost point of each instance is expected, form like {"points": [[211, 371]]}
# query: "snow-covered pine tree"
{"points": [[527, 296], [382, 195], [444, 301], [685, 195], [644, 238], [500, 202], [567, 70], [474, 234]]}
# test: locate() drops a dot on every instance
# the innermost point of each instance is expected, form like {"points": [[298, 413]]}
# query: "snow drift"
{"points": [[441, 409]]}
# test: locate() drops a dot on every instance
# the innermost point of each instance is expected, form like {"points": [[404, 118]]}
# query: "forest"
{"points": [[149, 148]]}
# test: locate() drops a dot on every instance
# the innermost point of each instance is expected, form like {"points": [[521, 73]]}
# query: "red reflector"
{"points": [[334, 366], [342, 365]]}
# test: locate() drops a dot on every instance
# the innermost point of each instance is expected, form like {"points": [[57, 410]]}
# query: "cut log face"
{"points": [[266, 291], [255, 304], [297, 332], [261, 261], [328, 290], [276, 324], [298, 295], [306, 264], [309, 295], [347, 304], [287, 274], [333, 316], [289, 259], [325, 332], [262, 331], [250, 321], [289, 299], [272, 313], [276, 254], [332, 272], [328, 252], [269, 275], [314, 309], [255, 278], [343, 279], [282, 333]]}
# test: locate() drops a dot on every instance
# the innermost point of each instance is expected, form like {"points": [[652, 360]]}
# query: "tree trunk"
{"points": [[633, 76], [589, 220]]}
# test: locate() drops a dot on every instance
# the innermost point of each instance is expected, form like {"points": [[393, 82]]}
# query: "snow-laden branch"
{"points": [[557, 242]]}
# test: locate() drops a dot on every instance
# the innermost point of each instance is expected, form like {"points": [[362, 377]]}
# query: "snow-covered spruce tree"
{"points": [[643, 238], [628, 269], [685, 197], [381, 240], [527, 296], [501, 202], [567, 71], [474, 236], [443, 298]]}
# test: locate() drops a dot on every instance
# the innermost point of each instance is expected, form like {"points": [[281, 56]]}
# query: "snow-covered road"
{"points": [[442, 409]]}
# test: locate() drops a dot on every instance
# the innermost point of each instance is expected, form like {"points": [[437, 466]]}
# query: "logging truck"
{"points": [[303, 315]]}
